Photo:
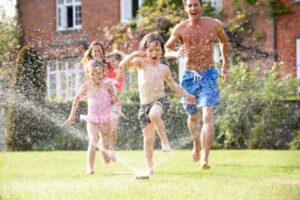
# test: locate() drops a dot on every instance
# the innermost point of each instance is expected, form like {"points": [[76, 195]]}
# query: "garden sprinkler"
{"points": [[142, 177]]}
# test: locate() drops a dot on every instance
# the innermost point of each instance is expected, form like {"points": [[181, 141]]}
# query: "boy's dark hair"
{"points": [[184, 2], [152, 37], [116, 55]]}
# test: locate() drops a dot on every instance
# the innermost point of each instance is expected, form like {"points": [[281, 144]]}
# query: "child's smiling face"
{"points": [[154, 51], [113, 62], [97, 52]]}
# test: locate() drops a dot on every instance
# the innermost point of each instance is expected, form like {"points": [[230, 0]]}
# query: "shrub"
{"points": [[253, 112], [61, 141], [295, 143], [24, 111], [61, 137]]}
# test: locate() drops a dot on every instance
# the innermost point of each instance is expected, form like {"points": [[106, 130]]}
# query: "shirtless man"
{"points": [[151, 77], [197, 36]]}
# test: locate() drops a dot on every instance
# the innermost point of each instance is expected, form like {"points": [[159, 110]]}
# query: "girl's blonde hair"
{"points": [[95, 63], [152, 37], [88, 55]]}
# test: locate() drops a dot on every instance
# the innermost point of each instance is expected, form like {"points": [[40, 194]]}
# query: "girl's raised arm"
{"points": [[75, 104], [131, 60]]}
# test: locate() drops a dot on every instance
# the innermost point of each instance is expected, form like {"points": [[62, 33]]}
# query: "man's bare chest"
{"points": [[198, 36]]}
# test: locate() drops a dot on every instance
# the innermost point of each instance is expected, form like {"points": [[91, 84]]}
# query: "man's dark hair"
{"points": [[184, 2]]}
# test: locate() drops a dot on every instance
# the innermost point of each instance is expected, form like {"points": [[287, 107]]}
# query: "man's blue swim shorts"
{"points": [[203, 85]]}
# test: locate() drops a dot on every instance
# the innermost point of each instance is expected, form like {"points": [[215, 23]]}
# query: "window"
{"points": [[217, 54], [298, 62], [217, 4], [64, 78], [129, 9], [68, 14]]}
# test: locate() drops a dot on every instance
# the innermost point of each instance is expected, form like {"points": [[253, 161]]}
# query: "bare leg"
{"points": [[113, 138], [148, 133], [193, 123], [207, 134], [91, 151], [104, 142], [155, 115], [114, 125]]}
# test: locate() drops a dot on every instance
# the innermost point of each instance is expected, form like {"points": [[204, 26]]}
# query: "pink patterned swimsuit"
{"points": [[99, 107]]}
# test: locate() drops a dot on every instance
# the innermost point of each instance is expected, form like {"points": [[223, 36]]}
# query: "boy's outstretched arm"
{"points": [[128, 62], [75, 104], [176, 88]]}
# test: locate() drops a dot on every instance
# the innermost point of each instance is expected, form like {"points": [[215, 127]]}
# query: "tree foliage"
{"points": [[26, 120], [9, 45], [162, 15]]}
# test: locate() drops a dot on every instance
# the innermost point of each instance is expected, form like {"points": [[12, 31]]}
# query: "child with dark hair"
{"points": [[151, 78]]}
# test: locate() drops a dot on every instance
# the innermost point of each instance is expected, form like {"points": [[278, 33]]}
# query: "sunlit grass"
{"points": [[233, 175]]}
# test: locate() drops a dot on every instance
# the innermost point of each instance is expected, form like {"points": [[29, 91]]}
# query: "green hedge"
{"points": [[129, 132], [253, 113]]}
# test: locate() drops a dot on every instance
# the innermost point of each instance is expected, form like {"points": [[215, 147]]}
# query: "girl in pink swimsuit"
{"points": [[101, 95]]}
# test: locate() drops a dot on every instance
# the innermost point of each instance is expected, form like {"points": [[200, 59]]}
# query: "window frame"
{"points": [[217, 4], [67, 68], [126, 10], [62, 18]]}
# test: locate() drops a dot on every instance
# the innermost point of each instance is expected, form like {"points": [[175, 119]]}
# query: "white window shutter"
{"points": [[59, 18], [217, 4], [217, 54], [126, 10], [64, 17], [140, 2]]}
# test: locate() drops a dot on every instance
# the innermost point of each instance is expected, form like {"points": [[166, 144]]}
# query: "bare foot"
{"points": [[204, 165], [166, 147], [112, 156], [196, 150], [150, 171], [195, 156], [106, 157], [89, 172]]}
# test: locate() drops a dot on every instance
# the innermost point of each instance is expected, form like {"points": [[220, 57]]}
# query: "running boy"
{"points": [[151, 77]]}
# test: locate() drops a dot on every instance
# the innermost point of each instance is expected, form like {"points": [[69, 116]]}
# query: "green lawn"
{"points": [[233, 175]]}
